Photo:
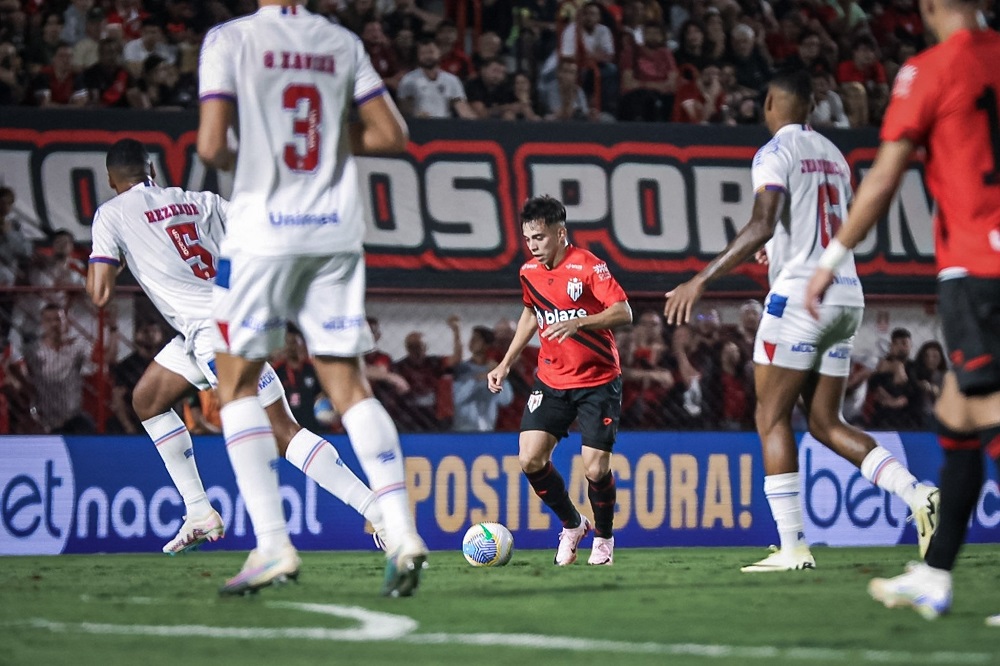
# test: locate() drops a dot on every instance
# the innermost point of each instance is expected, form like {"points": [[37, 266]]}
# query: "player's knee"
{"points": [[820, 427], [144, 402], [530, 461]]}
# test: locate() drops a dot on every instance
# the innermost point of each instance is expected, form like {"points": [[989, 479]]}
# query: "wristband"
{"points": [[833, 255]]}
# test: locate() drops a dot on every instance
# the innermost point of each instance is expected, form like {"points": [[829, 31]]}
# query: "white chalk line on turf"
{"points": [[376, 626]]}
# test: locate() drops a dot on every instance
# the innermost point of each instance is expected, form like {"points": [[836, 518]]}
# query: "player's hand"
{"points": [[681, 301], [818, 284], [761, 257], [495, 377], [561, 330], [453, 322]]}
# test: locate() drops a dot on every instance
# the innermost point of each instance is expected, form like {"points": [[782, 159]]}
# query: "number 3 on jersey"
{"points": [[302, 155], [188, 244], [828, 212]]}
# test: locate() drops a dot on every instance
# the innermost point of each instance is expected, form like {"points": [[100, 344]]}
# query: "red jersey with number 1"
{"points": [[948, 99], [578, 286]]}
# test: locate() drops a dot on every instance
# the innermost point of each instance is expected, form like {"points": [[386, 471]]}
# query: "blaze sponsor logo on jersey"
{"points": [[554, 316], [574, 288], [803, 348], [534, 400]]}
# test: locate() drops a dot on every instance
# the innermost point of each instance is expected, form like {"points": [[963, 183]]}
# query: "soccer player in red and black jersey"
{"points": [[571, 297], [947, 99]]}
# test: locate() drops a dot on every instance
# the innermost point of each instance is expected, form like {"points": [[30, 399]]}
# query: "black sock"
{"points": [[549, 485], [990, 439], [603, 495], [961, 480]]}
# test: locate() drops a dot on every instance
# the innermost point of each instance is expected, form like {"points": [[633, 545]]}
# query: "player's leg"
{"points": [[598, 414], [317, 458], [333, 323], [249, 303], [168, 378]]}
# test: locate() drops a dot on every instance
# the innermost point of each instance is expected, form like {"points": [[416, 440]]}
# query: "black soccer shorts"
{"points": [[598, 409], [969, 308]]}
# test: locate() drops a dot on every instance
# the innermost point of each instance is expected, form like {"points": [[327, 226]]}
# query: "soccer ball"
{"points": [[488, 545]]}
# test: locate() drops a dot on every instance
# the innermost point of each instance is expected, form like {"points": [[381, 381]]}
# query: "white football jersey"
{"points": [[169, 238], [293, 77], [817, 181]]}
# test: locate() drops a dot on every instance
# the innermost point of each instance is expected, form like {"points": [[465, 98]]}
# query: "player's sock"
{"points": [[603, 495], [782, 492], [376, 444], [990, 439], [548, 484], [253, 454], [961, 479], [320, 461], [881, 468], [173, 443]]}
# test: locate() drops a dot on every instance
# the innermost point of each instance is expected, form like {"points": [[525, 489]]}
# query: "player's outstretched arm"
{"points": [[615, 315], [871, 203], [380, 129], [767, 207], [526, 326], [101, 282], [216, 116]]}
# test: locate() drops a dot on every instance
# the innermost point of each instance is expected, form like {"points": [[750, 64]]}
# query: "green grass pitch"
{"points": [[654, 606]]}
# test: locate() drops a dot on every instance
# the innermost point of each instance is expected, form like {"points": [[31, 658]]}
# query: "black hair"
{"points": [[797, 82], [129, 159], [486, 333], [900, 333], [545, 208]]}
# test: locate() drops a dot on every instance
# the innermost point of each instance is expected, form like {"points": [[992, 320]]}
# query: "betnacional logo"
{"points": [[36, 496]]}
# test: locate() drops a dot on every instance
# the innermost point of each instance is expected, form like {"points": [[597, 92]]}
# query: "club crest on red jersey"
{"points": [[574, 288]]}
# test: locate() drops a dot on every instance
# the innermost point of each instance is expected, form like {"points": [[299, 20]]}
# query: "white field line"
{"points": [[376, 626]]}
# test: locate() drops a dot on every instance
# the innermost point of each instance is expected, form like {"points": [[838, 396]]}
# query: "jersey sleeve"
{"points": [[456, 91], [525, 296], [105, 248], [604, 286], [912, 106], [367, 83], [217, 65], [770, 168]]}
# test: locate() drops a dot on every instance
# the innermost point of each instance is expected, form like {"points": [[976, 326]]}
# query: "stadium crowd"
{"points": [[694, 61]]}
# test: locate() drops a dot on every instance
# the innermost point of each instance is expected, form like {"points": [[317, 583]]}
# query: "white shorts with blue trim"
{"points": [[789, 337], [256, 297], [193, 358]]}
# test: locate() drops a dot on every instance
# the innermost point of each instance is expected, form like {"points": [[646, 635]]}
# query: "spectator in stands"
{"points": [[13, 79], [405, 47], [855, 101], [564, 99], [109, 83], [147, 341], [56, 364], [298, 378], [691, 50], [864, 68], [18, 414], [592, 45], [649, 78], [809, 53], [716, 44], [125, 20], [357, 13], [165, 87], [892, 389], [44, 48], [784, 43], [86, 50], [387, 385], [453, 58], [57, 85], [75, 21], [58, 268], [15, 249], [538, 17], [490, 94], [151, 42], [646, 382], [476, 407], [496, 16], [526, 105], [701, 100], [929, 371], [752, 69], [633, 22], [422, 409], [382, 55], [851, 18], [429, 92], [408, 15], [13, 24], [521, 377], [829, 109], [730, 390], [488, 47], [683, 405], [900, 20]]}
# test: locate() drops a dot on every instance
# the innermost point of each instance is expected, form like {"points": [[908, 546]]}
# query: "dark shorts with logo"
{"points": [[969, 308], [597, 408]]}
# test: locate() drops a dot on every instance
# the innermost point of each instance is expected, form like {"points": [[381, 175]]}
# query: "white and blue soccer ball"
{"points": [[488, 545]]}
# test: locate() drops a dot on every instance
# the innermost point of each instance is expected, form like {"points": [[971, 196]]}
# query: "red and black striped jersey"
{"points": [[578, 286]]}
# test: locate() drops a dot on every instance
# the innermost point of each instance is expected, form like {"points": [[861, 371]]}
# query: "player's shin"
{"points": [[254, 457], [603, 496], [961, 480], [782, 492], [320, 461], [173, 443], [376, 443], [548, 484]]}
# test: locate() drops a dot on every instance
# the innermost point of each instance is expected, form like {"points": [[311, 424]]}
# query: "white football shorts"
{"points": [[255, 297], [789, 337], [193, 359]]}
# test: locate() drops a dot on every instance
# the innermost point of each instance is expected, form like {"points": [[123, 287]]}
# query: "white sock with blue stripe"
{"points": [[320, 461], [881, 468], [173, 443], [254, 456], [782, 492]]}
